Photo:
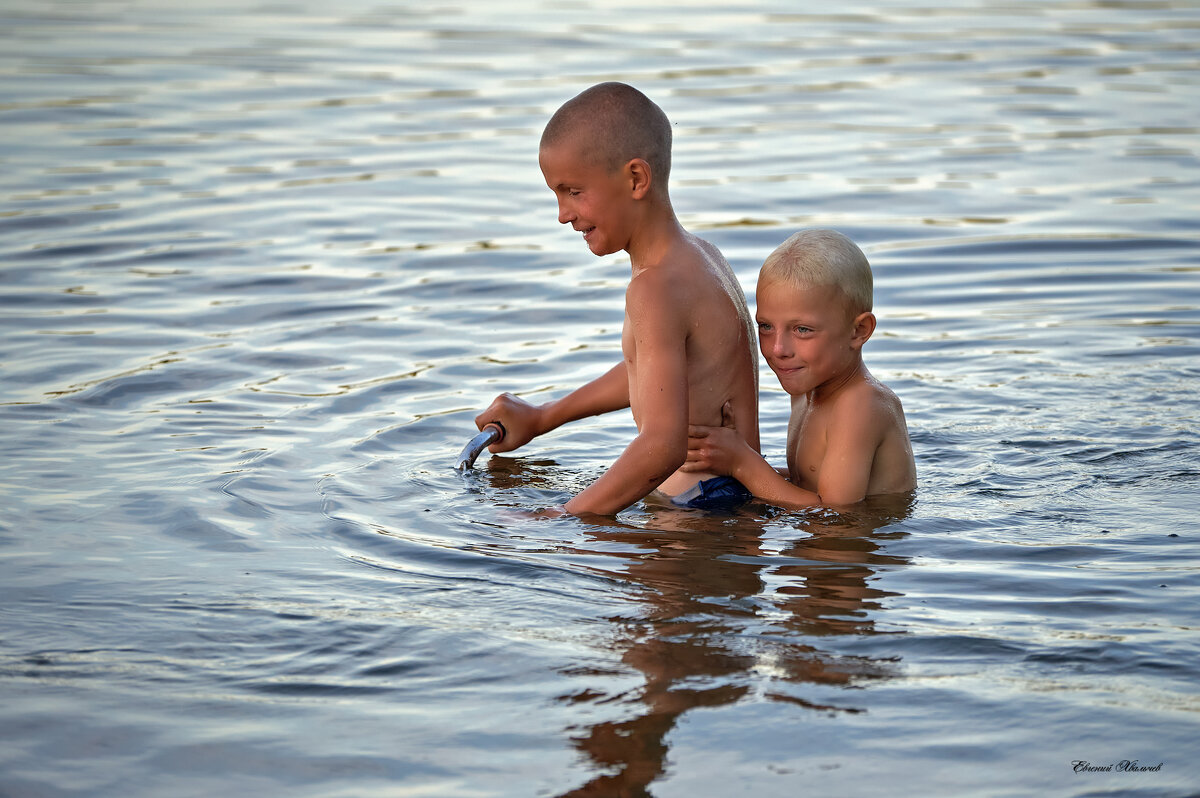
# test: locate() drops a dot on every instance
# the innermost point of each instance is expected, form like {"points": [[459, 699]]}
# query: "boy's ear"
{"points": [[640, 177], [864, 327]]}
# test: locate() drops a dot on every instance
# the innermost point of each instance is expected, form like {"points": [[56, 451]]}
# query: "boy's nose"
{"points": [[565, 214]]}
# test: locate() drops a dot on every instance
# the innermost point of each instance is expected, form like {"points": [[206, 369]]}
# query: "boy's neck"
{"points": [[855, 373], [657, 232]]}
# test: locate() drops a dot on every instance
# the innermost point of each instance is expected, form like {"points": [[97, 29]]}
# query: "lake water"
{"points": [[263, 263]]}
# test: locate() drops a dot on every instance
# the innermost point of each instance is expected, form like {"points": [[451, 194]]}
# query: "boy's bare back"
{"points": [[694, 290]]}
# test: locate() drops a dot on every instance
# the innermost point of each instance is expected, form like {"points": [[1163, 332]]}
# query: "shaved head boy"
{"points": [[687, 343], [614, 123]]}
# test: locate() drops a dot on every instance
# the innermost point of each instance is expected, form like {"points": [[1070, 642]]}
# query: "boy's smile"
{"points": [[806, 335], [590, 197]]}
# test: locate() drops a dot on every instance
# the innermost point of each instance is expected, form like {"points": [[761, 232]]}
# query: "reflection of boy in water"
{"points": [[688, 343], [847, 438], [718, 619]]}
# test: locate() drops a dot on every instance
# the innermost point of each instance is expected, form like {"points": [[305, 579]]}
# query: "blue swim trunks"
{"points": [[717, 493]]}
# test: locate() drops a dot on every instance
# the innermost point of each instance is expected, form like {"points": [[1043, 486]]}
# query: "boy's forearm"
{"points": [[640, 469], [604, 394], [766, 483]]}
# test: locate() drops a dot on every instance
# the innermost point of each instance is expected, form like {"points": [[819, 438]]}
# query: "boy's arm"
{"points": [[856, 429], [524, 421], [722, 450], [853, 436], [660, 448]]}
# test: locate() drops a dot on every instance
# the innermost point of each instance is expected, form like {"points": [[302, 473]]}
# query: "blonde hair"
{"points": [[822, 257]]}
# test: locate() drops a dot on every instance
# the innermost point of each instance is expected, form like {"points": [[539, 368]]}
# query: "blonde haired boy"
{"points": [[687, 342], [847, 438]]}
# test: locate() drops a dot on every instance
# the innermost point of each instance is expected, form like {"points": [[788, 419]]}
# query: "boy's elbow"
{"points": [[665, 457], [841, 497], [669, 463], [676, 462]]}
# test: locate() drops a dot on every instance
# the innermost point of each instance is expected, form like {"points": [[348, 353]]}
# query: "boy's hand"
{"points": [[715, 449], [522, 421]]}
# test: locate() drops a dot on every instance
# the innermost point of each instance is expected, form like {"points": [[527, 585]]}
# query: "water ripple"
{"points": [[262, 266]]}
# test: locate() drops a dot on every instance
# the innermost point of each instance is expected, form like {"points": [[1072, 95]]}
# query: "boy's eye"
{"points": [[802, 330], [764, 327]]}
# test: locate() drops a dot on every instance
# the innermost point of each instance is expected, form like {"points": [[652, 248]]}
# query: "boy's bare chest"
{"points": [[806, 447]]}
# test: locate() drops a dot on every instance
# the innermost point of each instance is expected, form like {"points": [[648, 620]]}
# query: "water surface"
{"points": [[263, 263]]}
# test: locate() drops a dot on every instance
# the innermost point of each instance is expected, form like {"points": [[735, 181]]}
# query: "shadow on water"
{"points": [[725, 608]]}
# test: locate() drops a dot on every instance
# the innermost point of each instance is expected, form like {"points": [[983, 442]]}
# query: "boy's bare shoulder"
{"points": [[648, 283], [869, 403], [707, 248], [674, 277], [883, 393], [653, 302]]}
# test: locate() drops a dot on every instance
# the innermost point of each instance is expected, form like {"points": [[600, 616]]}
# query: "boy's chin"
{"points": [[599, 250], [793, 387], [601, 246]]}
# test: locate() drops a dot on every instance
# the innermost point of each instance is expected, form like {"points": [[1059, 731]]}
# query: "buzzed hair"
{"points": [[822, 257], [615, 123]]}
